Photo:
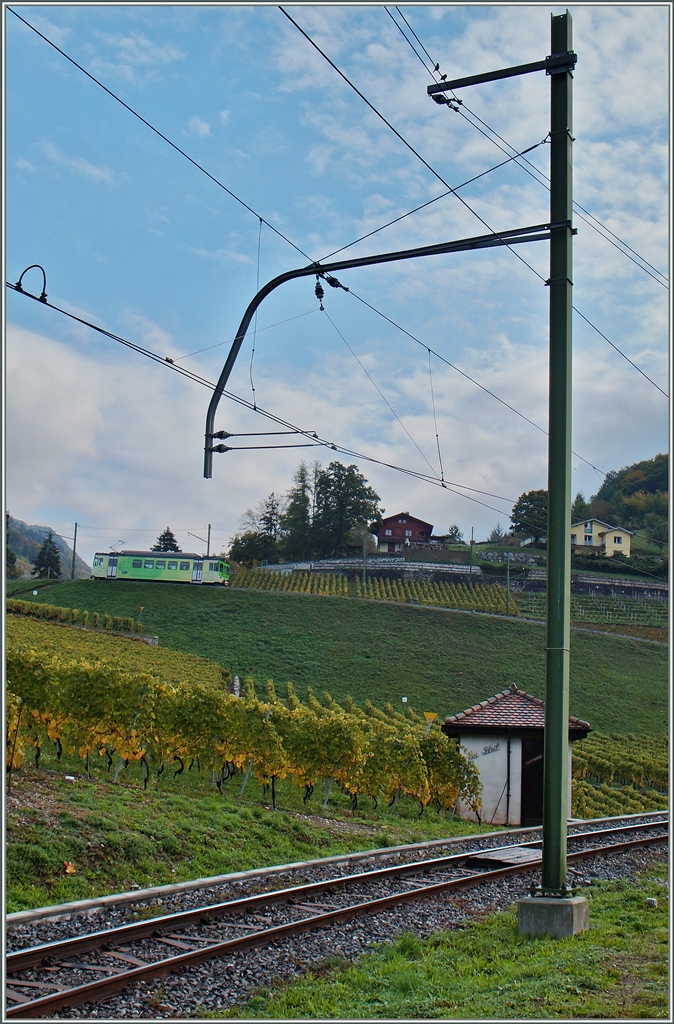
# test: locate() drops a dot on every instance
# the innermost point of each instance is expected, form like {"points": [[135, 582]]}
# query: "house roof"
{"points": [[398, 515], [511, 709], [581, 522]]}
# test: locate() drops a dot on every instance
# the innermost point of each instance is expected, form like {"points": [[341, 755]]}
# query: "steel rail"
{"points": [[32, 956], [65, 910], [99, 990]]}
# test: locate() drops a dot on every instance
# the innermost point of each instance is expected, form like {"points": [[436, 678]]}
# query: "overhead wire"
{"points": [[435, 418], [161, 135], [408, 145], [429, 202], [432, 71], [257, 288], [229, 341], [472, 380], [311, 435], [445, 183], [378, 390]]}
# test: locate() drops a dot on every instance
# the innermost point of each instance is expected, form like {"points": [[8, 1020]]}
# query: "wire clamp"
{"points": [[552, 280]]}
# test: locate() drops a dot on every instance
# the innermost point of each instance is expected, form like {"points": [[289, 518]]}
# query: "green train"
{"points": [[164, 566]]}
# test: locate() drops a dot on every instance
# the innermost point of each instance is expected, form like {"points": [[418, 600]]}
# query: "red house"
{"points": [[402, 531]]}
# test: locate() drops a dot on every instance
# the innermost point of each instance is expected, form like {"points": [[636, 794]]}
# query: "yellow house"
{"points": [[601, 538]]}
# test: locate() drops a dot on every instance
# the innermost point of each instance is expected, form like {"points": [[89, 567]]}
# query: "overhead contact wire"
{"points": [[379, 391], [310, 435]]}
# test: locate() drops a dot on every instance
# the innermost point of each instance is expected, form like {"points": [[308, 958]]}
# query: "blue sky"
{"points": [[137, 240]]}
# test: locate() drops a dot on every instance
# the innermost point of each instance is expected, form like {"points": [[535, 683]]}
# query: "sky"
{"points": [[136, 239]]}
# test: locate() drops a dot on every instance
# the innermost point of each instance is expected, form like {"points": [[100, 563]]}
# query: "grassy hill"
{"points": [[441, 661]]}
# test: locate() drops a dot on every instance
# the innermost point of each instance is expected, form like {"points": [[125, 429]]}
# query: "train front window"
{"points": [[98, 561]]}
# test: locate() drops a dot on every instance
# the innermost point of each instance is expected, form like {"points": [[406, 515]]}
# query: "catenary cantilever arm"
{"points": [[535, 233]]}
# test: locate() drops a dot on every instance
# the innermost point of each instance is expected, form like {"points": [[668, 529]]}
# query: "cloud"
{"points": [[224, 117], [197, 127], [78, 165], [23, 165], [136, 58], [225, 257]]}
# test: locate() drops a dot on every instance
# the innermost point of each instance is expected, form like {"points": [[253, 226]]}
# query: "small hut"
{"points": [[503, 736]]}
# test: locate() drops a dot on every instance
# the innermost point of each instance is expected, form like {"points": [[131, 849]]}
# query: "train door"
{"points": [[112, 567], [197, 570]]}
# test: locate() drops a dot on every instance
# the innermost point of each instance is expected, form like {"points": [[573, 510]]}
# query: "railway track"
{"points": [[89, 968]]}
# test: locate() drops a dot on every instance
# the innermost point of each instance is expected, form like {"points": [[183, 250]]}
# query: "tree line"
{"points": [[324, 512]]}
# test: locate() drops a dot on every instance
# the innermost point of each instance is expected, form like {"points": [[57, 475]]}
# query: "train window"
{"points": [[149, 563], [160, 564], [212, 566], [173, 565], [184, 566], [137, 563], [98, 561], [221, 567]]}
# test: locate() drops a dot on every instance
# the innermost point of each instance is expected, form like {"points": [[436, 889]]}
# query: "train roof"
{"points": [[159, 554]]}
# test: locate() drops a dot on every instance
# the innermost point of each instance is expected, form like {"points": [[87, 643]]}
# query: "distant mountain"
{"points": [[25, 541]]}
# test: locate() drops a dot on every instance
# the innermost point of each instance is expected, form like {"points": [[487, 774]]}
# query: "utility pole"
{"points": [[470, 571], [208, 542], [561, 916], [508, 583], [555, 757], [72, 567], [364, 560]]}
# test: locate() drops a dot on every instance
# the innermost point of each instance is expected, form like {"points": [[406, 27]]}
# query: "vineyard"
{"points": [[73, 616], [614, 610], [325, 584], [176, 709], [619, 775], [461, 596]]}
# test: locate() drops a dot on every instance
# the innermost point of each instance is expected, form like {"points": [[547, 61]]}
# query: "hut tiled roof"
{"points": [[511, 709]]}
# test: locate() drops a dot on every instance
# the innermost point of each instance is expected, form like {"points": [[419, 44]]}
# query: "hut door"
{"points": [[532, 780]]}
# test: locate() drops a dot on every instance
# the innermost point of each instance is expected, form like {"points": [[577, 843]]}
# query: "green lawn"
{"points": [[117, 836], [486, 971], [441, 661]]}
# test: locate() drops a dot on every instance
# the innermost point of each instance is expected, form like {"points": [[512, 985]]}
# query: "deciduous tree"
{"points": [[530, 514]]}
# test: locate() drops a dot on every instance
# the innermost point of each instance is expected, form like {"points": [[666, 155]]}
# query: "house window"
{"points": [[137, 563], [149, 563], [617, 540], [173, 565], [408, 533], [184, 566], [588, 526], [388, 533], [588, 538], [573, 538]]}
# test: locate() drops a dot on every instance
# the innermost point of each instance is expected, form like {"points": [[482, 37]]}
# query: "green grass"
{"points": [[441, 661], [486, 971], [118, 836]]}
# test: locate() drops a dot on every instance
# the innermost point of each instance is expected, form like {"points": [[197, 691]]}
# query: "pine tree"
{"points": [[166, 542], [48, 562], [10, 556]]}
